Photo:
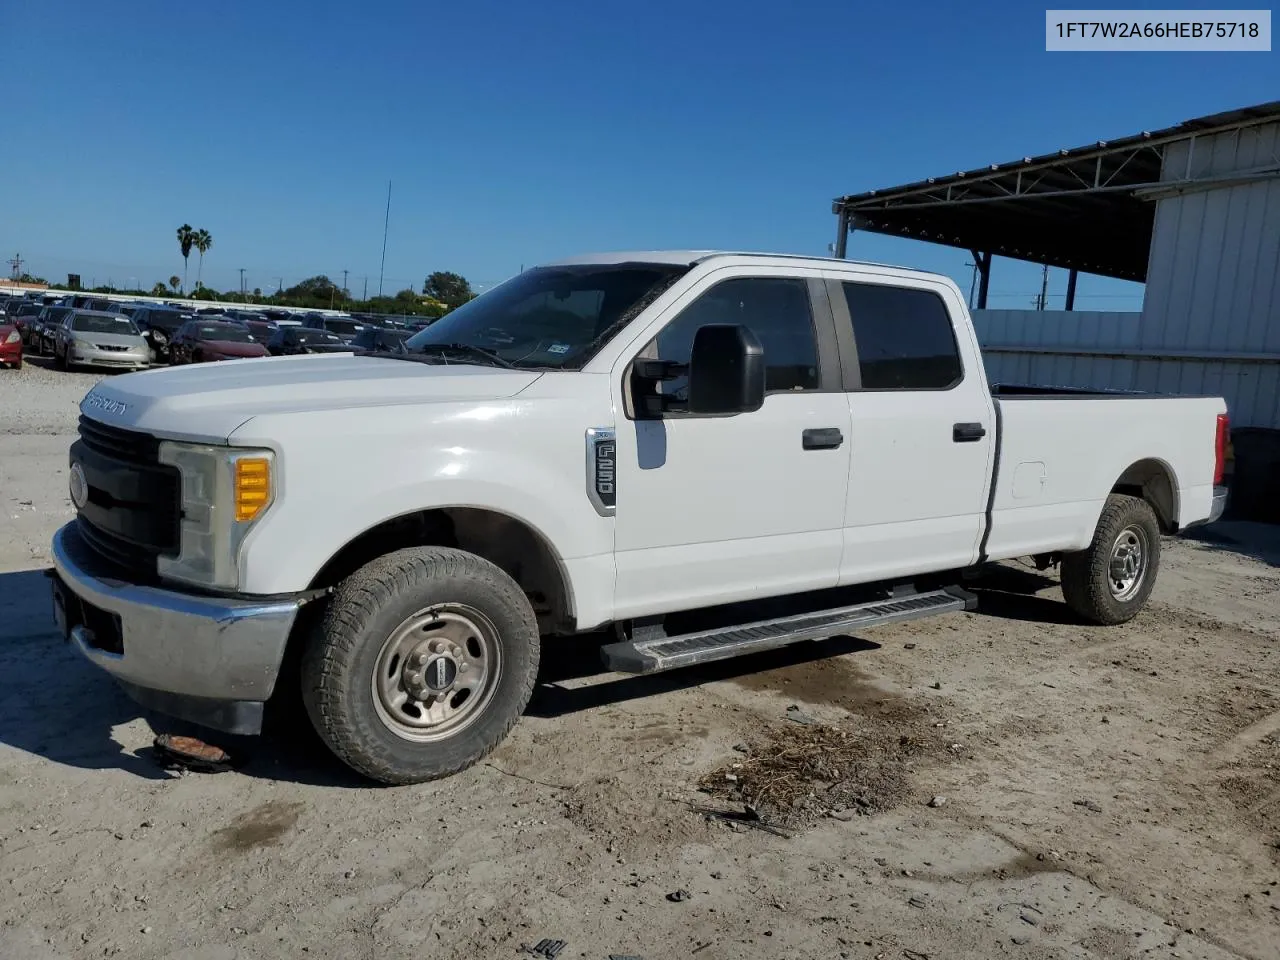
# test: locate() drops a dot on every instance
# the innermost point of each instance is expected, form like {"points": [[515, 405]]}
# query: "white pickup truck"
{"points": [[708, 454]]}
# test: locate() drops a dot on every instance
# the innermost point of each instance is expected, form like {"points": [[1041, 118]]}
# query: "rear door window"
{"points": [[904, 337]]}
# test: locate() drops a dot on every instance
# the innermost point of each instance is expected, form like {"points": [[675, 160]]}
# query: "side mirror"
{"points": [[726, 370]]}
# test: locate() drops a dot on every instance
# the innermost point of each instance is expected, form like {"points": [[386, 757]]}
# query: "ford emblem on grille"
{"points": [[79, 486], [96, 401]]}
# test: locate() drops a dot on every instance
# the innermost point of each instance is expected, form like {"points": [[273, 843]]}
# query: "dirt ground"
{"points": [[1100, 793]]}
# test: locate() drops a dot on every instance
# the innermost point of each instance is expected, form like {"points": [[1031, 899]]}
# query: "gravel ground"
{"points": [[1034, 788]]}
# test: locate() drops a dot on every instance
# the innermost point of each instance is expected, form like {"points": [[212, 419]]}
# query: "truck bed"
{"points": [[1057, 459]]}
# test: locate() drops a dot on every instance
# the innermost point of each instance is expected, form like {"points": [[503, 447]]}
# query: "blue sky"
{"points": [[515, 133]]}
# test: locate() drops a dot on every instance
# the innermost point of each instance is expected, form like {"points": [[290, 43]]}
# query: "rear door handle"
{"points": [[967, 432], [822, 438]]}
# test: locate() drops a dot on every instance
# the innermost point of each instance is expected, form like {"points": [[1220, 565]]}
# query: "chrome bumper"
{"points": [[1219, 504], [108, 358], [212, 660], [1216, 507]]}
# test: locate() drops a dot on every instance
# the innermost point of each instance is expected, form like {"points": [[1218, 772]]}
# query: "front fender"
{"points": [[330, 493]]}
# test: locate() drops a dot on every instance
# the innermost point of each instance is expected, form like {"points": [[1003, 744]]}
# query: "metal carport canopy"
{"points": [[1078, 209]]}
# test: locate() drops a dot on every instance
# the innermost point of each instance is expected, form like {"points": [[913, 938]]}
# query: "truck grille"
{"points": [[131, 513]]}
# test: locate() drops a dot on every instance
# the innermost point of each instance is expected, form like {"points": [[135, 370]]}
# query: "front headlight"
{"points": [[159, 336], [13, 337], [225, 491]]}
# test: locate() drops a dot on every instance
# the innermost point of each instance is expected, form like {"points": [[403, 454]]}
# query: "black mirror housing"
{"points": [[726, 371]]}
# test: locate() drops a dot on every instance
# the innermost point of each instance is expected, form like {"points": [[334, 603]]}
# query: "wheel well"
{"points": [[511, 545], [1152, 481]]}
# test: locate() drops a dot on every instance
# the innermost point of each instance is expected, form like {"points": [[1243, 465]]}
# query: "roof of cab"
{"points": [[691, 257]]}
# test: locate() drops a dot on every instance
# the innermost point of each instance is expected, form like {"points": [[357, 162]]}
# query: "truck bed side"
{"points": [[1060, 456]]}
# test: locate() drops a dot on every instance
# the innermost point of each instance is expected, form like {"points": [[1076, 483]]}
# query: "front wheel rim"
{"points": [[437, 672], [1127, 566]]}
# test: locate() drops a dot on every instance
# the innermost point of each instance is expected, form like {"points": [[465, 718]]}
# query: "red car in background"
{"points": [[202, 341], [10, 346]]}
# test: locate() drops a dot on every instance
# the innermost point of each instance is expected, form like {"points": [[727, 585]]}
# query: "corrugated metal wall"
{"points": [[1211, 316]]}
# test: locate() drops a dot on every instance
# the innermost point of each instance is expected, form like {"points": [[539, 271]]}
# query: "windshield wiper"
{"points": [[480, 354]]}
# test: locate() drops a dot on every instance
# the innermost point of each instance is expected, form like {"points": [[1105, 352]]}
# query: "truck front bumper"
{"points": [[210, 660]]}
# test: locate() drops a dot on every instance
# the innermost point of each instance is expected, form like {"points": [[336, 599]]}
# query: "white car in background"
{"points": [[93, 338]]}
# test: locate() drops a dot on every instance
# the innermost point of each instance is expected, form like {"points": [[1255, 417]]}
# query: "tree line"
{"points": [[442, 291]]}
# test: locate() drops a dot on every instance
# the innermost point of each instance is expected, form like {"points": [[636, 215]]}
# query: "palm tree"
{"points": [[173, 282], [186, 240], [203, 241]]}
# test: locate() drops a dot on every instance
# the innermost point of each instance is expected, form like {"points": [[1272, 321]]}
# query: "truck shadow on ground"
{"points": [[1011, 593], [1258, 541], [53, 703], [578, 658], [56, 705]]}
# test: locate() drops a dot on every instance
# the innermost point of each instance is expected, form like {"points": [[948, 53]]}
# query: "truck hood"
{"points": [[207, 402]]}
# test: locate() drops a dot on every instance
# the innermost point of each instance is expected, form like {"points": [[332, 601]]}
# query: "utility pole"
{"points": [[242, 281], [1044, 288], [344, 286], [15, 265], [385, 224], [973, 283], [279, 285], [365, 298]]}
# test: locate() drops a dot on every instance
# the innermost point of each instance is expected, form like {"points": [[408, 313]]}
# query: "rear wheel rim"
{"points": [[1127, 566], [437, 672]]}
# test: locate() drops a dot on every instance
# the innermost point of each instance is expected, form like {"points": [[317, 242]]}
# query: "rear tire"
{"points": [[384, 671], [1109, 582]]}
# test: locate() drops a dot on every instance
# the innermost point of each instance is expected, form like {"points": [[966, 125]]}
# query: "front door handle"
{"points": [[822, 438], [967, 432]]}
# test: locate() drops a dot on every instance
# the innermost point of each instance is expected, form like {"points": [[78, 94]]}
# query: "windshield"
{"points": [[551, 316], [223, 331], [341, 326], [102, 323], [166, 319], [57, 314]]}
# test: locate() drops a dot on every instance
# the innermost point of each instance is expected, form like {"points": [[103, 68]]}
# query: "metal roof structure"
{"points": [[1083, 209]]}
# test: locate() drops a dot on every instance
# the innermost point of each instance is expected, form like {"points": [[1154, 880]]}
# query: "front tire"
{"points": [[422, 663], [1109, 583]]}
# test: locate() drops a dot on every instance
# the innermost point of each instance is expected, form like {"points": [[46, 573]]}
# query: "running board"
{"points": [[668, 653]]}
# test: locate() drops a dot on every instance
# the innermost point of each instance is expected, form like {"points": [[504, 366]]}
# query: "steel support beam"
{"points": [[1071, 289], [842, 233], [984, 270]]}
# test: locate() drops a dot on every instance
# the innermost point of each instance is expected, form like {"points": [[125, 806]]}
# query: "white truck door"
{"points": [[922, 427], [719, 509]]}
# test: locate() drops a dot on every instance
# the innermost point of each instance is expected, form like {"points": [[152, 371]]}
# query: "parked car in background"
{"points": [[381, 338], [291, 340], [11, 306], [203, 341], [279, 316], [261, 330], [24, 317], [344, 327], [158, 325], [10, 346], [86, 301], [46, 326], [96, 338]]}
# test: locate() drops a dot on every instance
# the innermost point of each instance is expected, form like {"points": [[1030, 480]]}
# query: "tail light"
{"points": [[1220, 449]]}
